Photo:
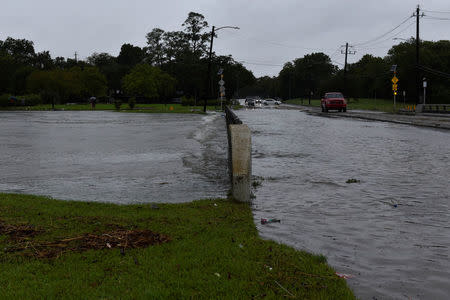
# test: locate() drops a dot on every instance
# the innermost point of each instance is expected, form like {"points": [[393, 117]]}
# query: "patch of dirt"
{"points": [[121, 238], [19, 231]]}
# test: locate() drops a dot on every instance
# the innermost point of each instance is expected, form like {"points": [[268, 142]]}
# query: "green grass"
{"points": [[147, 108], [298, 101], [214, 253], [385, 105]]}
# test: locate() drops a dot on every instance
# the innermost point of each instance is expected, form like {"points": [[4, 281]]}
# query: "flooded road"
{"points": [[390, 230], [114, 157]]}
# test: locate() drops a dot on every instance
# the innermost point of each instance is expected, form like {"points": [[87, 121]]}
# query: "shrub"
{"points": [[211, 102], [132, 102], [117, 103], [32, 99], [4, 100], [187, 101]]}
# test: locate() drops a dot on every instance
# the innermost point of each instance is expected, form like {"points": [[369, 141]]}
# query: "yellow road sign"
{"points": [[394, 87], [394, 79]]}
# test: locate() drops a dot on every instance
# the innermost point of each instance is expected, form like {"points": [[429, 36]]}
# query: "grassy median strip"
{"points": [[144, 108], [202, 249]]}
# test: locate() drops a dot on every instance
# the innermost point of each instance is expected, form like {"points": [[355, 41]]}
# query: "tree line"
{"points": [[370, 77], [175, 64]]}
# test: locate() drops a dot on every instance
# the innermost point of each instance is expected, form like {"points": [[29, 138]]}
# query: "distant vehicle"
{"points": [[333, 100], [270, 102], [250, 102]]}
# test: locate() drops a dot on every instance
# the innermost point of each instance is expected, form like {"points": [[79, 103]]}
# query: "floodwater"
{"points": [[114, 157], [390, 231]]}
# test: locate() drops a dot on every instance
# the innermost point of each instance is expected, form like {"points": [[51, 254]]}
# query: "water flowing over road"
{"points": [[114, 157], [390, 230]]}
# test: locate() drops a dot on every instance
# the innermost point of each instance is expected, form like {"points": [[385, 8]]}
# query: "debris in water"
{"points": [[266, 221], [353, 180], [345, 276]]}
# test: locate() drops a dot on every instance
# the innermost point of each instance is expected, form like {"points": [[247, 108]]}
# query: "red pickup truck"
{"points": [[334, 100]]}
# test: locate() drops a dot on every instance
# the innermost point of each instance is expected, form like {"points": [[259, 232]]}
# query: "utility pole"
{"points": [[345, 65], [209, 87], [214, 29], [417, 54]]}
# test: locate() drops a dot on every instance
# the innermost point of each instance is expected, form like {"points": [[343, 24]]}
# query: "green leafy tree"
{"points": [[148, 81], [109, 66], [21, 50], [130, 55]]}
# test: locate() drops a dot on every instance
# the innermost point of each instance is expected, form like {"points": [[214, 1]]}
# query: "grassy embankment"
{"points": [[361, 104], [207, 249], [147, 108]]}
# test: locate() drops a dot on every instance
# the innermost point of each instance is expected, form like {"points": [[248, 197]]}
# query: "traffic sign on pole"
{"points": [[394, 79], [394, 87]]}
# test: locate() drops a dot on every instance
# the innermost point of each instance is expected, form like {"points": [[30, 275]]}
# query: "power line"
{"points": [[436, 18], [436, 11], [433, 71], [278, 44], [370, 45], [384, 34]]}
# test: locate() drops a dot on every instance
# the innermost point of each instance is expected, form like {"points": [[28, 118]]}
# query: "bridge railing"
{"points": [[436, 108]]}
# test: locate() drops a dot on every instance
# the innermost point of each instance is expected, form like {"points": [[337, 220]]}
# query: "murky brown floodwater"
{"points": [[391, 231], [114, 157]]}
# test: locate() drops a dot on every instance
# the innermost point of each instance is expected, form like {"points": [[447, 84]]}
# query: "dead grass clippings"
{"points": [[120, 238]]}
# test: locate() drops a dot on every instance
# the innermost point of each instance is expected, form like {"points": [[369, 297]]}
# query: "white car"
{"points": [[270, 102]]}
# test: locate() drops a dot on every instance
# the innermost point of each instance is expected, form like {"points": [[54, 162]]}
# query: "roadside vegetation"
{"points": [[202, 249], [143, 108]]}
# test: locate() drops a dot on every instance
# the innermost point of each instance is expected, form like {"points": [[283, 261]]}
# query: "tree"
{"points": [[43, 60], [109, 66], [93, 82], [130, 55], [193, 26], [21, 50], [148, 81], [155, 51]]}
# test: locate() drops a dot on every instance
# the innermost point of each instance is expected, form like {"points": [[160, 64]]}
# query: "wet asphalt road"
{"points": [[113, 157], [390, 231]]}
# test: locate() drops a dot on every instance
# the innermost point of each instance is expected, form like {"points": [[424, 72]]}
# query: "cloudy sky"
{"points": [[271, 33]]}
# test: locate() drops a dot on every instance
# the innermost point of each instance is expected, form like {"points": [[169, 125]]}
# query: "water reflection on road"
{"points": [[113, 157], [390, 231]]}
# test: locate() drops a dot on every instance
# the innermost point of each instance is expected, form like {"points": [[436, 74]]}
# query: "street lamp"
{"points": [[214, 29]]}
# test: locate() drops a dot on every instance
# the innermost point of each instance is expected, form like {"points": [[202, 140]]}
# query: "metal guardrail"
{"points": [[436, 108]]}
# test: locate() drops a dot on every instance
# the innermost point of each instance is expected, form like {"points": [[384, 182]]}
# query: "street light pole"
{"points": [[209, 88]]}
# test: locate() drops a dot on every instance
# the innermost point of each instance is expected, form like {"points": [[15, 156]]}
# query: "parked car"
{"points": [[333, 100], [250, 102], [269, 102]]}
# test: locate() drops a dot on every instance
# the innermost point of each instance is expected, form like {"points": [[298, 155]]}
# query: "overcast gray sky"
{"points": [[272, 31]]}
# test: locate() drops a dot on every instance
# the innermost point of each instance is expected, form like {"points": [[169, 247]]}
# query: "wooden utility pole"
{"points": [[345, 66], [418, 81]]}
